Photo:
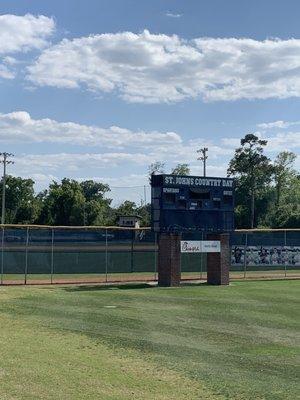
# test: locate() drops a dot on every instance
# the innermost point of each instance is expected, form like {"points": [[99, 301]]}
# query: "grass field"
{"points": [[141, 342]]}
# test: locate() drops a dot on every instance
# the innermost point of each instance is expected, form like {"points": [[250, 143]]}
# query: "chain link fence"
{"points": [[38, 254]]}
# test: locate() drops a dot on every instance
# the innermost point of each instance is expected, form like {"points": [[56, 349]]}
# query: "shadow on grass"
{"points": [[90, 288], [184, 284], [127, 286]]}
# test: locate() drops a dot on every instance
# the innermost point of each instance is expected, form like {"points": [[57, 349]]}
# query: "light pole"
{"points": [[4, 161], [203, 158]]}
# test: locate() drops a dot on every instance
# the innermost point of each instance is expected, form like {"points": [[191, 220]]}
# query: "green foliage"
{"points": [[253, 171], [74, 203], [21, 204], [286, 214], [144, 212], [284, 172], [267, 195], [63, 204], [94, 190], [181, 169], [96, 207]]}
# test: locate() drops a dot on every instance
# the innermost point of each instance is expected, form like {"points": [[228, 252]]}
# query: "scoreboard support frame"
{"points": [[218, 264], [169, 260]]}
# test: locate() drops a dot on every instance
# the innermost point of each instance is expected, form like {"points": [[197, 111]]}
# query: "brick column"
{"points": [[218, 263], [169, 272]]}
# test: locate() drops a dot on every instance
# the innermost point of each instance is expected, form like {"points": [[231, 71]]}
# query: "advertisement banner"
{"points": [[265, 255], [200, 246]]}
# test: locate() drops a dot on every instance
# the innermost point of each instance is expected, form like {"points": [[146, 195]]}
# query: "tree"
{"points": [[252, 168], [74, 203], [287, 213], [144, 212], [283, 172], [126, 208], [94, 190], [181, 169], [63, 203], [21, 205], [155, 168], [96, 207]]}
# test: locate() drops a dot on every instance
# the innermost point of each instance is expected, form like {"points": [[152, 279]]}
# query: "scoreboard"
{"points": [[192, 203]]}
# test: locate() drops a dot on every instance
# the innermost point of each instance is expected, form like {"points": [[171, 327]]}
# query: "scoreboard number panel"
{"points": [[192, 203]]}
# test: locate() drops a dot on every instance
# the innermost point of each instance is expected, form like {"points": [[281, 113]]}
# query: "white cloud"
{"points": [[173, 15], [278, 124], [283, 141], [278, 142], [20, 127], [21, 34], [70, 163], [211, 169], [6, 73], [159, 68]]}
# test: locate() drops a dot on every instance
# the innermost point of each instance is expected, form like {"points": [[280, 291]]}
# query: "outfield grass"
{"points": [[139, 342]]}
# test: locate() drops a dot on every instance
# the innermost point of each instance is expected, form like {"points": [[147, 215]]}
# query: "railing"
{"points": [[46, 254]]}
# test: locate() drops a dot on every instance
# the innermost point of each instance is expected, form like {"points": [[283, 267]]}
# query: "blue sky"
{"points": [[101, 89]]}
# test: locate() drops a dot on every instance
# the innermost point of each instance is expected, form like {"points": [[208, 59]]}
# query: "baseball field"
{"points": [[143, 342]]}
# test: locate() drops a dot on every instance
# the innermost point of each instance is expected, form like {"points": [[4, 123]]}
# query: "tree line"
{"points": [[267, 194]]}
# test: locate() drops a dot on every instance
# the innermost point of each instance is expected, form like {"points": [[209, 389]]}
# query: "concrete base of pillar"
{"points": [[218, 263], [169, 271]]}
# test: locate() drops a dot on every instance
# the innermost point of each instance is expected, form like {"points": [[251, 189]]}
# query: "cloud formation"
{"points": [[21, 34], [283, 141], [173, 15], [20, 127], [149, 68], [277, 124]]}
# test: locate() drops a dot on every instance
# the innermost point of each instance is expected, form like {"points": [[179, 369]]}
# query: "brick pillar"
{"points": [[169, 273], [218, 263]]}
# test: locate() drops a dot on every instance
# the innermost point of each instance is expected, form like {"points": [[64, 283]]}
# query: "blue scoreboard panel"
{"points": [[192, 203]]}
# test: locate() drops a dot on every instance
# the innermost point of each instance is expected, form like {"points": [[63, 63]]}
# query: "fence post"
{"points": [[285, 258], [52, 256], [106, 255], [155, 256], [2, 255], [26, 255], [131, 258], [201, 258], [245, 253]]}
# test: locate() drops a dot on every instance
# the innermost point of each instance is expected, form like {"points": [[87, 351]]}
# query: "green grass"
{"points": [[193, 342]]}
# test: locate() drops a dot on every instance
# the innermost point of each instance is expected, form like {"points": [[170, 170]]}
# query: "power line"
{"points": [[4, 161], [129, 187]]}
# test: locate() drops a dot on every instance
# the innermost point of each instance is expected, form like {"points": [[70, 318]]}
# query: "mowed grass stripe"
{"points": [[216, 342], [49, 365]]}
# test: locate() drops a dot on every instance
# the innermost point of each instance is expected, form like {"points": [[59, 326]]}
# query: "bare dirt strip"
{"points": [[140, 278]]}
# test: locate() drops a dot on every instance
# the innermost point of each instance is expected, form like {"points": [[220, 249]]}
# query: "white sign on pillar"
{"points": [[210, 246], [190, 246], [200, 246]]}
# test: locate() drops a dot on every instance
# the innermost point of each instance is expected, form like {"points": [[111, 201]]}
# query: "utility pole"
{"points": [[4, 161], [203, 158], [145, 196]]}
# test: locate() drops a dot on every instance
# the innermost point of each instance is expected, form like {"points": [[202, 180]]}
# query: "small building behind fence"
{"points": [[129, 221]]}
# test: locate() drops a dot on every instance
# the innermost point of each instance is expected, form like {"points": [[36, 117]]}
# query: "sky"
{"points": [[100, 89]]}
